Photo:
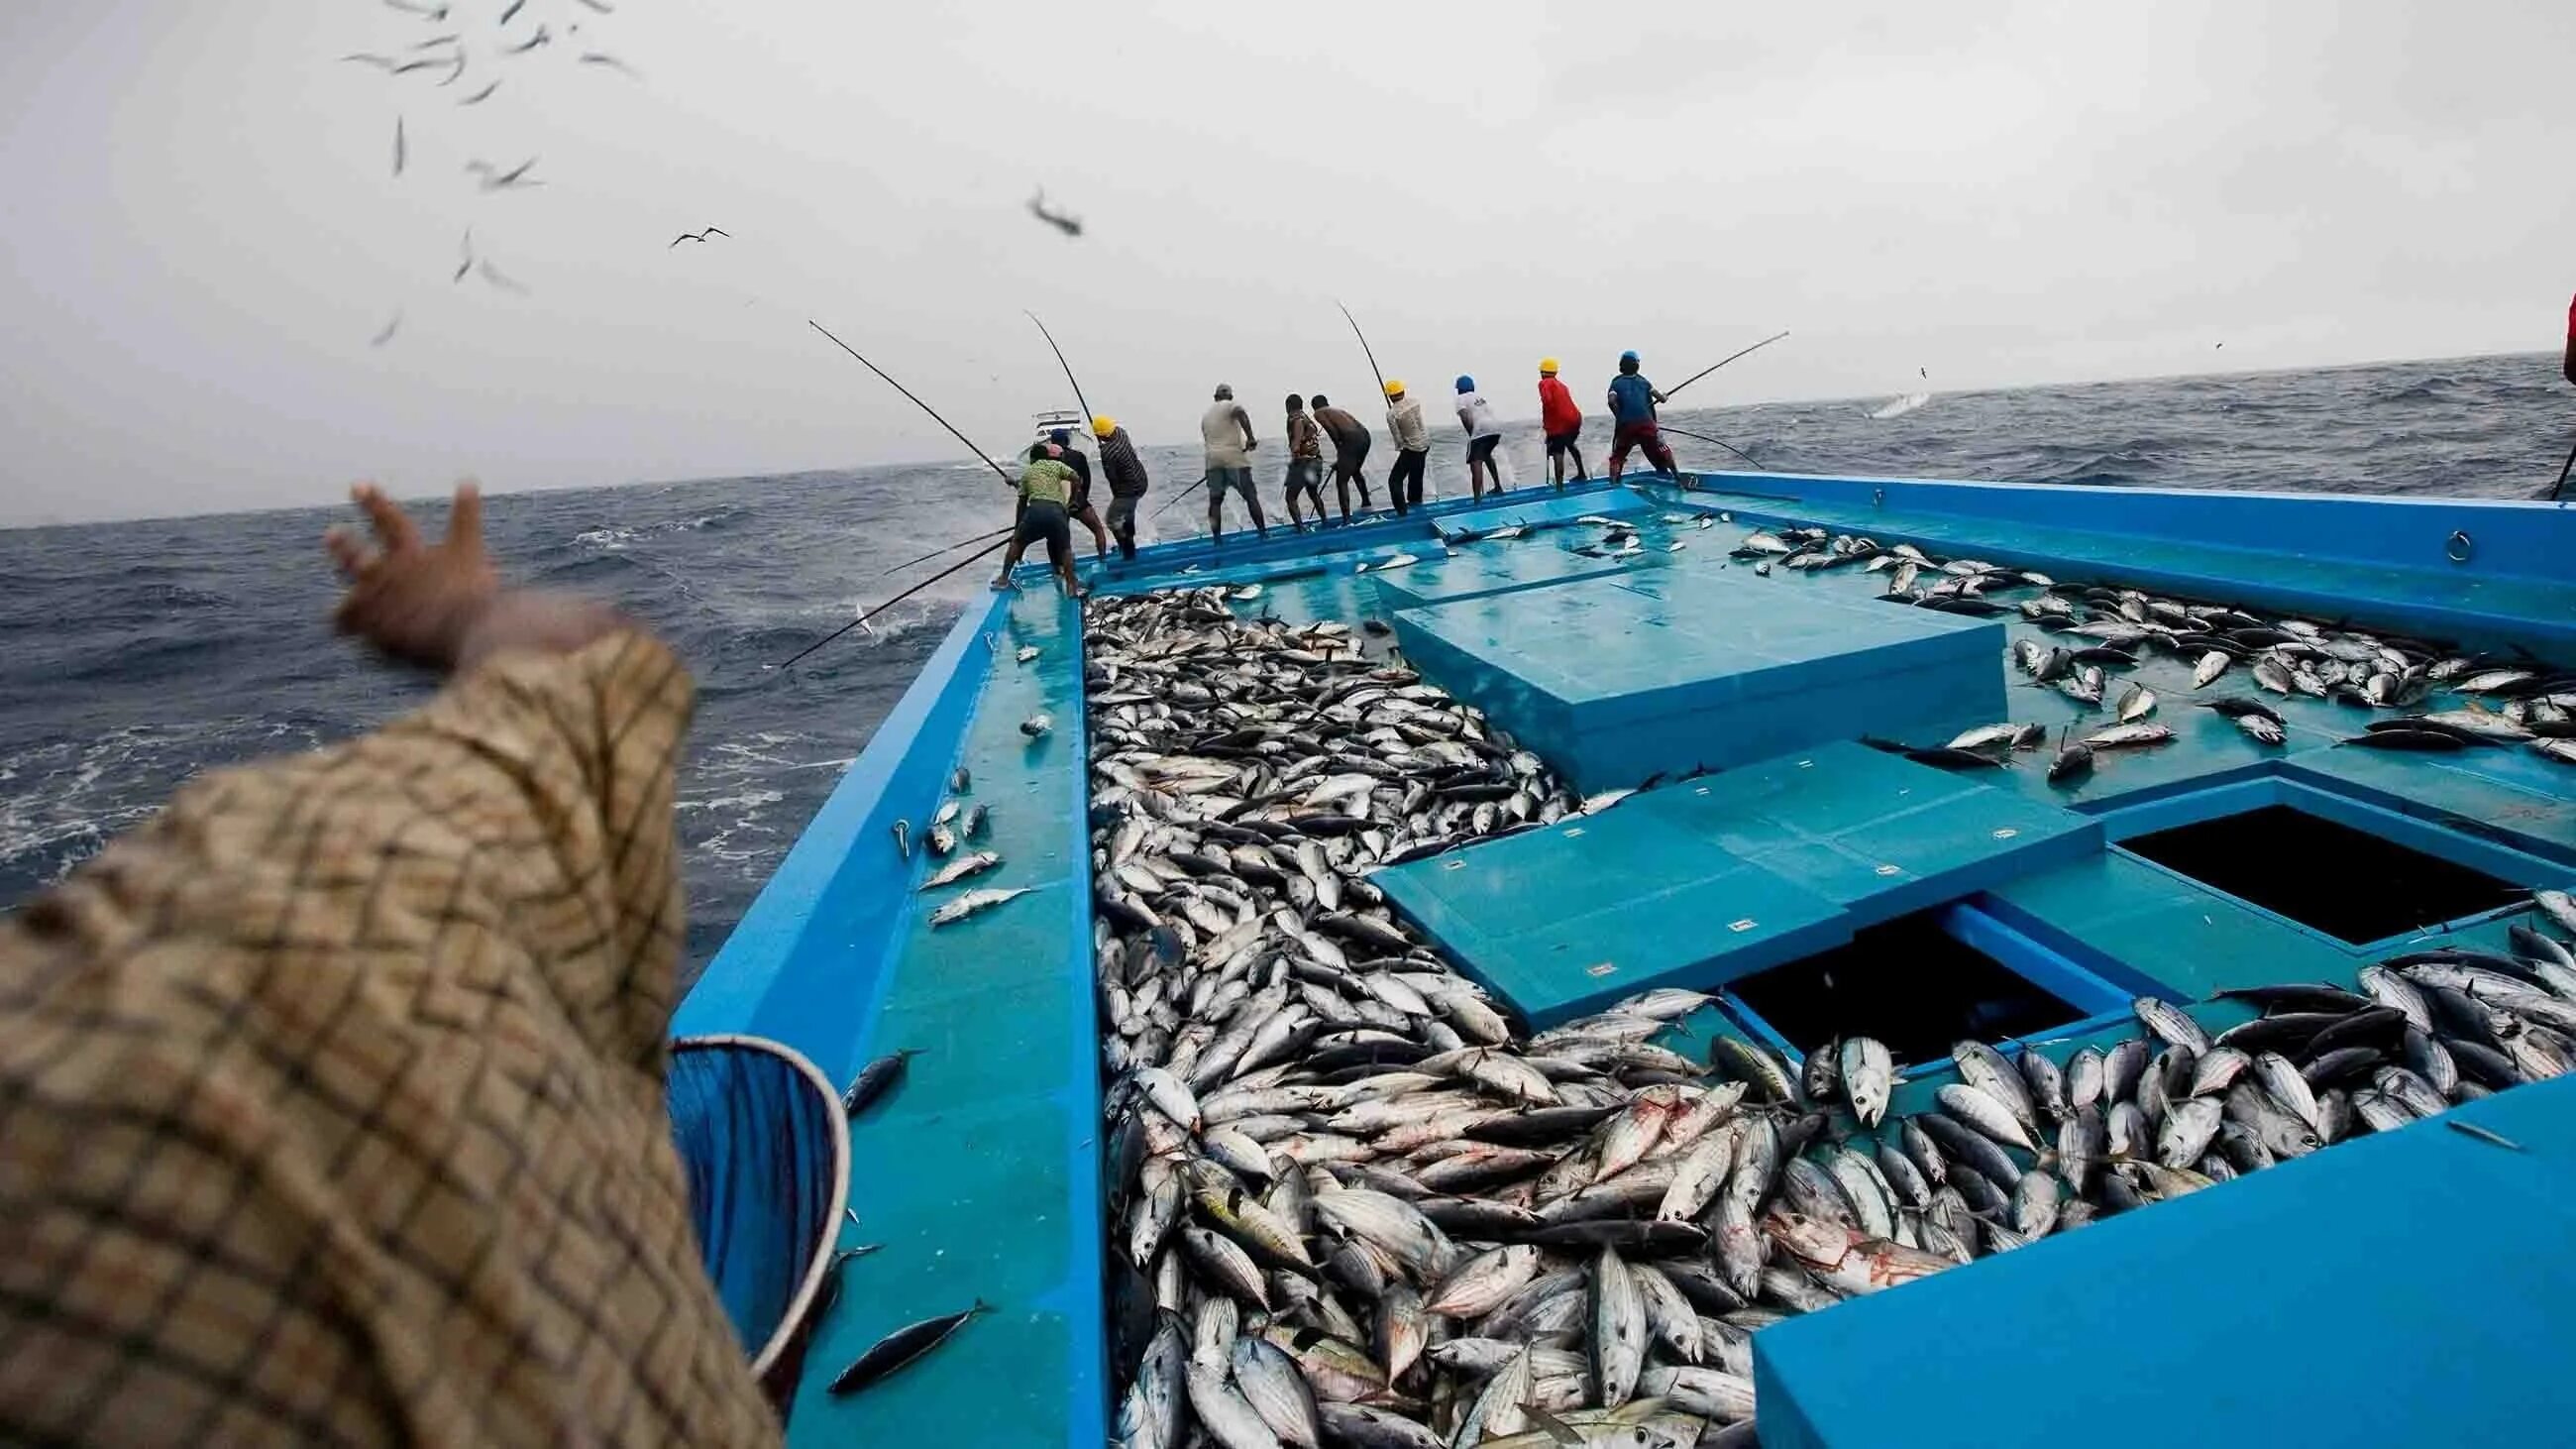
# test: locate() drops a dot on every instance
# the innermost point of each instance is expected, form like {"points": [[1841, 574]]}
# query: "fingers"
{"points": [[393, 527], [465, 517], [347, 552]]}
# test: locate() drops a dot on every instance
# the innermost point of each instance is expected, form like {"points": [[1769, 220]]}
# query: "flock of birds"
{"points": [[446, 60]]}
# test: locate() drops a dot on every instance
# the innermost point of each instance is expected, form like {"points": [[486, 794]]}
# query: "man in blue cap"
{"points": [[1476, 416], [1080, 508], [1632, 419]]}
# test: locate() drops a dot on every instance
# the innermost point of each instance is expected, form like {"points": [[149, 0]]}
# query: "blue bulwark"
{"points": [[1666, 670], [2293, 1307], [1704, 882]]}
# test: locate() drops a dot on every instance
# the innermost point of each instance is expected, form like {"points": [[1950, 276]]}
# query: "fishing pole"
{"points": [[936, 552], [1087, 413], [1184, 493], [2563, 470], [1721, 362], [980, 455], [1721, 442], [1364, 347], [890, 603]]}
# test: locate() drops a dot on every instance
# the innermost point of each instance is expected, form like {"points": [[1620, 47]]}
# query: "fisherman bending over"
{"points": [[1412, 449], [1226, 429], [1561, 421], [1632, 416], [1350, 452], [1126, 481], [1080, 505], [1476, 417], [1046, 488], [1305, 464], [335, 1089]]}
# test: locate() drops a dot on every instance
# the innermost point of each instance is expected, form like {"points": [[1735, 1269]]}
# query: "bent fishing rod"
{"points": [[980, 455], [1721, 442], [1721, 362], [1177, 497], [1087, 413], [2563, 470], [974, 557]]}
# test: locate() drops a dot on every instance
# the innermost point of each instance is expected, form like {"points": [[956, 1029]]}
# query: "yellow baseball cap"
{"points": [[1547, 364], [1393, 388], [1103, 426]]}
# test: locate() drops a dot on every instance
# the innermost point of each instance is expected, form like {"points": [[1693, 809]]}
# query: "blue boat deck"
{"points": [[2248, 1303]]}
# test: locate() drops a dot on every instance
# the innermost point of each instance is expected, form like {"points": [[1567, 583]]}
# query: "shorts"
{"points": [[1046, 521], [1238, 479], [1348, 456], [1559, 444], [1081, 503], [1481, 450], [1306, 475]]}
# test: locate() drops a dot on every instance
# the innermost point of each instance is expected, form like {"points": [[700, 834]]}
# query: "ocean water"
{"points": [[134, 655]]}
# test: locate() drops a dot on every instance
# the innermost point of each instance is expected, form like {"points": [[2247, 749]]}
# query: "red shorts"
{"points": [[1640, 435]]}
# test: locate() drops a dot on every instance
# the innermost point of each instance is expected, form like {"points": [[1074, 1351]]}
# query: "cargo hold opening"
{"points": [[2348, 883], [1909, 982]]}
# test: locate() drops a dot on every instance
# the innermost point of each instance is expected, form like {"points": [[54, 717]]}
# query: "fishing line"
{"points": [[897, 599]]}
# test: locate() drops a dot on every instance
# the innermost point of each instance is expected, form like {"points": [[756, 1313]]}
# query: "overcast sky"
{"points": [[203, 232]]}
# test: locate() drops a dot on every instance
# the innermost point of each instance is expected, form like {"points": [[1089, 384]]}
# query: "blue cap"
{"points": [[1466, 383], [1061, 437], [1628, 357]]}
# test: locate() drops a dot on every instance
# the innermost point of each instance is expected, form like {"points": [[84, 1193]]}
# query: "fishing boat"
{"points": [[1769, 694]]}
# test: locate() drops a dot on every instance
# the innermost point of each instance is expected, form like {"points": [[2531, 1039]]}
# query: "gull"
{"points": [[480, 96], [531, 43], [431, 13], [596, 57], [399, 150], [381, 338], [698, 236], [503, 180], [407, 67], [492, 275], [599, 6], [465, 256], [1057, 219], [515, 7], [382, 62]]}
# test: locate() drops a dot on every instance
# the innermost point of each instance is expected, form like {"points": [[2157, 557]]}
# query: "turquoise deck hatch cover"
{"points": [[1563, 921], [1707, 881], [1669, 669]]}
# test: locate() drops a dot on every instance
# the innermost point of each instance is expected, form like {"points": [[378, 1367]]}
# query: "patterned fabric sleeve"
{"points": [[330, 1100]]}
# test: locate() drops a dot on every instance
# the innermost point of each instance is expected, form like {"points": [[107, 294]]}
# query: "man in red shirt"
{"points": [[1562, 421], [2569, 366]]}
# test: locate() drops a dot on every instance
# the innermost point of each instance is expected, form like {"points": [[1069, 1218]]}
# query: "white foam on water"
{"points": [[1901, 406]]}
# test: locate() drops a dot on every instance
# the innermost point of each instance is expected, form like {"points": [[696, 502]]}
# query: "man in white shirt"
{"points": [[1226, 429], [1476, 416], [1412, 449]]}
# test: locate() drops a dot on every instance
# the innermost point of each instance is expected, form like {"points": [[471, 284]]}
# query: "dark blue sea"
{"points": [[134, 655]]}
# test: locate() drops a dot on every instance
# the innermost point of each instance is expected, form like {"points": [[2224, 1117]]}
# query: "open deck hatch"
{"points": [[1908, 982], [2348, 883]]}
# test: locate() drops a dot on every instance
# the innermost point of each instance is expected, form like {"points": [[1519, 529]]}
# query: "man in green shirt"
{"points": [[1046, 495]]}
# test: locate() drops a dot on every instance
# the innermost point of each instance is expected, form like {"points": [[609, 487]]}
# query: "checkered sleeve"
{"points": [[330, 1100]]}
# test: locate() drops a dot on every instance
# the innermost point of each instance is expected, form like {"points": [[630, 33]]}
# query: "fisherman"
{"points": [[1476, 417], [1080, 507], [1412, 449], [1046, 491], [1226, 429], [1350, 452], [335, 1088], [1561, 421], [1305, 464], [1632, 419], [1127, 482], [2568, 366]]}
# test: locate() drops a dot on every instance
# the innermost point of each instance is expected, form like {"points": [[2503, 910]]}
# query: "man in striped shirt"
{"points": [[1127, 483]]}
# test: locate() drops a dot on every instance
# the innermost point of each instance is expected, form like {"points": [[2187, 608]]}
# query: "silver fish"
{"points": [[960, 907]]}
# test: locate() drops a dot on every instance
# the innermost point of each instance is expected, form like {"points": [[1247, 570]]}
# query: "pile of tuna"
{"points": [[2107, 628], [1353, 1203]]}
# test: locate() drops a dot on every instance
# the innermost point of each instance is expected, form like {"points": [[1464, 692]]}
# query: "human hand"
{"points": [[415, 601]]}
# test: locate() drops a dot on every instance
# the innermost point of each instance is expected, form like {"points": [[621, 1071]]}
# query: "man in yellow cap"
{"points": [[1561, 421], [1127, 482], [1412, 449]]}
